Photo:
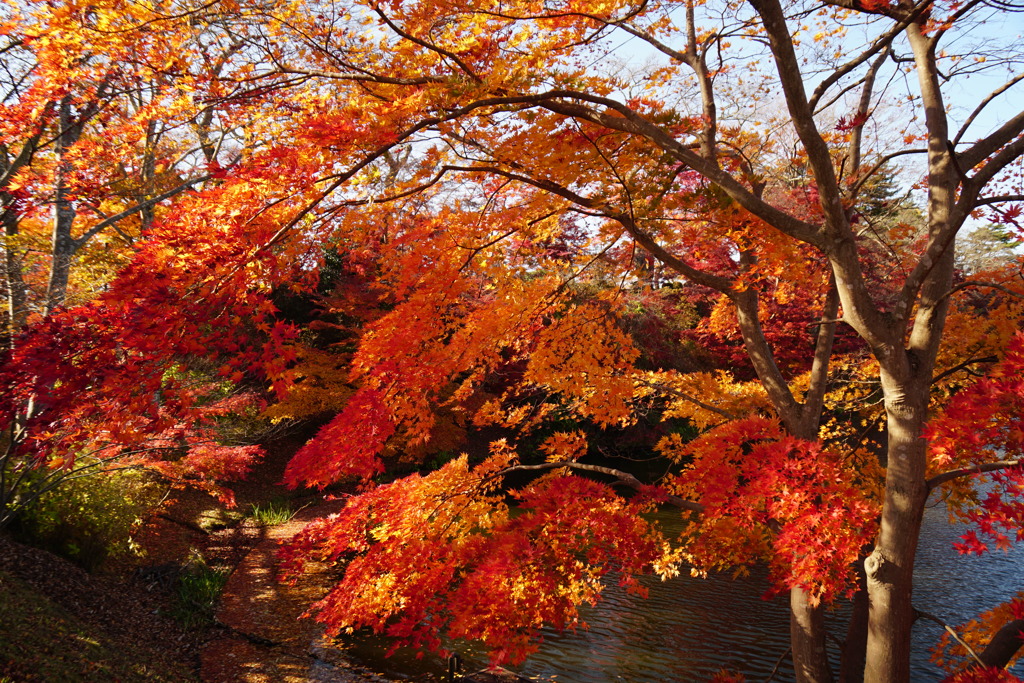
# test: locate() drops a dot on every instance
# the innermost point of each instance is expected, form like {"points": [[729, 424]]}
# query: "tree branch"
{"points": [[690, 399], [984, 103], [940, 479], [715, 282], [1004, 645], [893, 11], [966, 364], [787, 66], [882, 162], [623, 477], [28, 150], [91, 232], [880, 44], [990, 285], [422, 43], [1006, 156], [630, 121], [815, 397], [367, 77], [950, 631], [759, 352], [863, 112], [1001, 199], [987, 146]]}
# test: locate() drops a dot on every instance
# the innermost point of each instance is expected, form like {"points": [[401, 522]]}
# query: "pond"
{"points": [[690, 628]]}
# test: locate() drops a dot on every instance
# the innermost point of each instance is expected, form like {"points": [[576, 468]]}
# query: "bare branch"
{"points": [[623, 477], [882, 162], [880, 45], [653, 42], [664, 388], [716, 282], [787, 66], [422, 43], [1006, 156], [988, 201], [962, 366], [952, 632], [630, 121], [990, 144], [933, 253], [815, 397], [159, 17], [940, 479], [863, 111], [984, 103], [990, 285], [367, 77], [760, 353], [28, 150], [91, 232]]}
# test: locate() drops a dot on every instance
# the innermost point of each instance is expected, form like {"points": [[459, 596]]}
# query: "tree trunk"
{"points": [[14, 282], [852, 657], [906, 371], [890, 566], [807, 638], [63, 246]]}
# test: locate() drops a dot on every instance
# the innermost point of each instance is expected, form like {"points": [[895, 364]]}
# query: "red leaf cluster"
{"points": [[440, 555], [769, 496], [982, 431]]}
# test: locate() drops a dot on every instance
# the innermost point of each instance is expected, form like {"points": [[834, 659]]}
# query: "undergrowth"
{"points": [[198, 590]]}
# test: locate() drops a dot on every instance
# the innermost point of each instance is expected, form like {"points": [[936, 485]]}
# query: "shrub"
{"points": [[88, 519]]}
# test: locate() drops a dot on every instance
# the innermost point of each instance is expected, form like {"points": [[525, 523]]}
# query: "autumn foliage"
{"points": [[438, 226], [441, 555]]}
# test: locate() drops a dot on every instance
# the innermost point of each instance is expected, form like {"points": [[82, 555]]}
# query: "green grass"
{"points": [[199, 589], [41, 641], [271, 513]]}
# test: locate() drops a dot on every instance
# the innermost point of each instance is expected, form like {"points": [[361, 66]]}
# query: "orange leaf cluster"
{"points": [[440, 555]]}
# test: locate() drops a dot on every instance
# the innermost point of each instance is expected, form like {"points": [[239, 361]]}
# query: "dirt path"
{"points": [[266, 641], [262, 638]]}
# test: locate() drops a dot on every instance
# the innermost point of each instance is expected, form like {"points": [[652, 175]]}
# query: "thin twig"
{"points": [[775, 669], [950, 631]]}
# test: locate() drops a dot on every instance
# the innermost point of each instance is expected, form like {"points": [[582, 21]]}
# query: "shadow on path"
{"points": [[264, 639]]}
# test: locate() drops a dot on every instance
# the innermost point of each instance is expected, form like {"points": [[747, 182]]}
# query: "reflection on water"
{"points": [[690, 628]]}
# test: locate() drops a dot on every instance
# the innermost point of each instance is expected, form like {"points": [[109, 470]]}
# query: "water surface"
{"points": [[689, 628]]}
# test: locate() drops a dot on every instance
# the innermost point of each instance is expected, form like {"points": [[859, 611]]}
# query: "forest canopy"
{"points": [[488, 247]]}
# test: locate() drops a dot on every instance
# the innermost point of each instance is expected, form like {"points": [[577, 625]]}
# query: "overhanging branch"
{"points": [[623, 478], [963, 366], [107, 222], [951, 632], [940, 479]]}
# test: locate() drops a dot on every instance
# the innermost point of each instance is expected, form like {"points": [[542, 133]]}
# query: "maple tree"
{"points": [[102, 128], [493, 185]]}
